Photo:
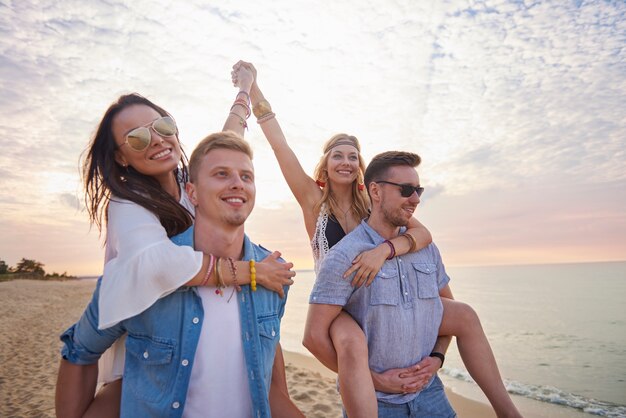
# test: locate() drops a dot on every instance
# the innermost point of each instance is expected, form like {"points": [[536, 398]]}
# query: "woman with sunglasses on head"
{"points": [[135, 173], [333, 203]]}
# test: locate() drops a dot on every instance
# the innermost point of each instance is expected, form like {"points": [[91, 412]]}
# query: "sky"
{"points": [[517, 108]]}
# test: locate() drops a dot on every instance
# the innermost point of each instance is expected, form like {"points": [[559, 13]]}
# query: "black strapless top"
{"points": [[334, 232]]}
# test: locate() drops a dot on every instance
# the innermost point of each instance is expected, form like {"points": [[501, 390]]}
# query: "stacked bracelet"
{"points": [[242, 103], [266, 117], [412, 241], [252, 276], [245, 93], [392, 254]]}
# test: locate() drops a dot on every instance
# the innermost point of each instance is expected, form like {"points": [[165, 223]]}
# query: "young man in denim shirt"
{"points": [[193, 353], [401, 311]]}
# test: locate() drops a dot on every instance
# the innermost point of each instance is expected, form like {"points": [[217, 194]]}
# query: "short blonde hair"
{"points": [[219, 140]]}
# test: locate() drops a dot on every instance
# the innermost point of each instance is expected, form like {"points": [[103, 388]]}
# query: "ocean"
{"points": [[558, 331]]}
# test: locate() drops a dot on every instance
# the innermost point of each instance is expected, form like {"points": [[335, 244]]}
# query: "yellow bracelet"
{"points": [[252, 276]]}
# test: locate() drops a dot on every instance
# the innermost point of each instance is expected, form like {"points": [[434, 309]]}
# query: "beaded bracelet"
{"points": [[233, 272], [252, 276], [209, 270], [393, 249]]}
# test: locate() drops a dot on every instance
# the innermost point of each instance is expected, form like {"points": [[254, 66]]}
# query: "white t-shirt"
{"points": [[219, 384]]}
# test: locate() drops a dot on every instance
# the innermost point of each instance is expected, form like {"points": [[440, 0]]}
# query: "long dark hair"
{"points": [[106, 179]]}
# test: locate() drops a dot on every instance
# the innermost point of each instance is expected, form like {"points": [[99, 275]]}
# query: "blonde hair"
{"points": [[219, 140], [360, 199]]}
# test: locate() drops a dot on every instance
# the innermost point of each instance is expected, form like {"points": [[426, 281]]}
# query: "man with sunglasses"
{"points": [[401, 311]]}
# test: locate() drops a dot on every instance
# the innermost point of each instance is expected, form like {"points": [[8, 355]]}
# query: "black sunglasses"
{"points": [[406, 190]]}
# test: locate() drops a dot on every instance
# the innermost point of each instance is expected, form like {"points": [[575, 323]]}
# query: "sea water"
{"points": [[558, 331]]}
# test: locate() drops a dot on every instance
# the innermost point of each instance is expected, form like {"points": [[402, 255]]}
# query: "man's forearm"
{"points": [[76, 387]]}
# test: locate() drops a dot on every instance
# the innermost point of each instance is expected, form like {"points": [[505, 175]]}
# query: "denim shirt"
{"points": [[162, 341], [400, 312]]}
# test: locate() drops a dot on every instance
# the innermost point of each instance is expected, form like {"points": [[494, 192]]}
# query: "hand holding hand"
{"points": [[407, 379], [273, 275], [243, 75], [367, 265]]}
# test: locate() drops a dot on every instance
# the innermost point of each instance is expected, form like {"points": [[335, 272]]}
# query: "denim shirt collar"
{"points": [[186, 238]]}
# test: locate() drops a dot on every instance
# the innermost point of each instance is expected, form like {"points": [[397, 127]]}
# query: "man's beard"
{"points": [[394, 216]]}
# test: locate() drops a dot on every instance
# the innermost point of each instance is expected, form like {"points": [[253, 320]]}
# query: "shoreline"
{"points": [[465, 407], [35, 312]]}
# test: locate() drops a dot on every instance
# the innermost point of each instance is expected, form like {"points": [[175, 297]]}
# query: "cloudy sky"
{"points": [[518, 109]]}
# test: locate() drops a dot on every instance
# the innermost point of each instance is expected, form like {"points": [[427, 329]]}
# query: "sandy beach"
{"points": [[34, 313]]}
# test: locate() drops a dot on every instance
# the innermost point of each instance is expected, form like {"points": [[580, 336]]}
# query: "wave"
{"points": [[551, 395]]}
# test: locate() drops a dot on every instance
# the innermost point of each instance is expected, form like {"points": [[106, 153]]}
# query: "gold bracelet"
{"points": [[252, 276], [261, 109], [218, 278]]}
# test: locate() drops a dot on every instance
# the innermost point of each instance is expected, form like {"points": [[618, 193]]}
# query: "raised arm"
{"points": [[303, 187], [236, 120]]}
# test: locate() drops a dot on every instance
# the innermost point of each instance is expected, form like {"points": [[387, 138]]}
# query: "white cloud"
{"points": [[491, 94]]}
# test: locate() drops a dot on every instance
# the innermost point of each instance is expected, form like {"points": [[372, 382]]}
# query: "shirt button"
{"points": [[185, 362], [195, 320], [247, 336], [427, 270], [399, 260], [403, 276], [273, 333], [406, 293], [176, 405], [145, 354]]}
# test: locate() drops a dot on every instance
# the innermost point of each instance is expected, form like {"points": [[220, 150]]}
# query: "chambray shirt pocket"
{"points": [[385, 287], [426, 280], [148, 371], [269, 333]]}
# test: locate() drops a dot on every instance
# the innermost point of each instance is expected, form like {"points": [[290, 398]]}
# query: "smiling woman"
{"points": [[135, 174]]}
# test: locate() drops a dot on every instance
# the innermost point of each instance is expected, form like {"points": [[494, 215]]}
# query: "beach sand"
{"points": [[34, 313]]}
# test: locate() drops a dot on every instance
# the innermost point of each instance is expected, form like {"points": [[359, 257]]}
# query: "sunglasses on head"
{"points": [[139, 138], [406, 190]]}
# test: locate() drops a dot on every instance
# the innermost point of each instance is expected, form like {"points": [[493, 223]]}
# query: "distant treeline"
{"points": [[29, 269]]}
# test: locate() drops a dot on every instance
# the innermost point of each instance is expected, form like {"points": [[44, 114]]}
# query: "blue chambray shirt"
{"points": [[400, 312], [162, 340]]}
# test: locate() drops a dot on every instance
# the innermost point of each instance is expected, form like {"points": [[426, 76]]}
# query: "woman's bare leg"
{"points": [[460, 320], [106, 404], [355, 381]]}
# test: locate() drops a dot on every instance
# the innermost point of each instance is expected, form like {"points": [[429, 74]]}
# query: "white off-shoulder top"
{"points": [[141, 266]]}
